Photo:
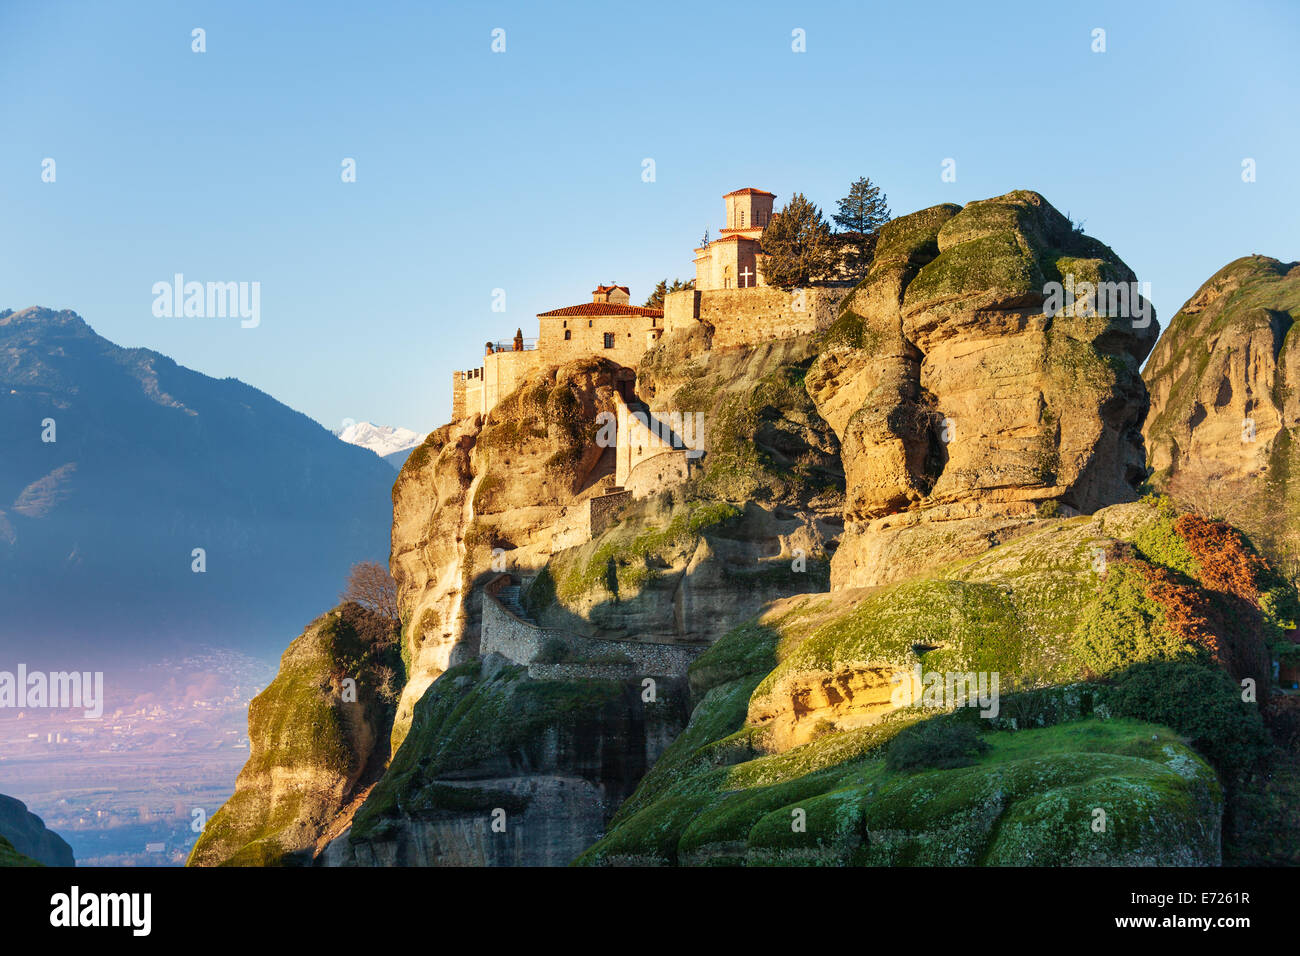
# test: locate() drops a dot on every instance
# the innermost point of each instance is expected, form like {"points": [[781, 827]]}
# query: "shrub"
{"points": [[554, 651], [938, 744], [1198, 701], [1125, 626]]}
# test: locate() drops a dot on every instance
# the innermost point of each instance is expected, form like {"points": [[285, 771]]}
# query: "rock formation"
{"points": [[318, 740], [799, 711], [942, 483], [24, 839], [965, 400], [479, 493], [1224, 406], [499, 769]]}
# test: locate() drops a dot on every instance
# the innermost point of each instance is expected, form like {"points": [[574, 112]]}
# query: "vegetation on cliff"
{"points": [[1221, 433], [1067, 741], [11, 857], [318, 736]]}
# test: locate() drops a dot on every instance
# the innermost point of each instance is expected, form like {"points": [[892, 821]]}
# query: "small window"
{"points": [[564, 324], [568, 334], [609, 340], [589, 323], [742, 220]]}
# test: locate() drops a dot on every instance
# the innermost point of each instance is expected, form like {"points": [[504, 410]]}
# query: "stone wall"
{"points": [[749, 316], [681, 309], [583, 520], [457, 396], [658, 472], [643, 435], [629, 335], [521, 641], [581, 671], [602, 509], [502, 374]]}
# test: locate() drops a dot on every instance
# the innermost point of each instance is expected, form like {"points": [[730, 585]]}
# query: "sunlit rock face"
{"points": [[1224, 407], [969, 390]]}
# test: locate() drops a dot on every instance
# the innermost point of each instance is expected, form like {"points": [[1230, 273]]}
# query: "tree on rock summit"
{"points": [[797, 244]]}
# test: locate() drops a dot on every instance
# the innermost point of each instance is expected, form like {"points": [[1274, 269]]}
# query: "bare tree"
{"points": [[371, 586]]}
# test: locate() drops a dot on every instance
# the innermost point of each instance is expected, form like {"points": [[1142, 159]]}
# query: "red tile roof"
{"points": [[610, 288], [604, 308], [749, 191], [735, 238]]}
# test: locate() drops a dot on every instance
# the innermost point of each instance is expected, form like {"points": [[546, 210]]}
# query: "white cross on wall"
{"points": [[745, 276]]}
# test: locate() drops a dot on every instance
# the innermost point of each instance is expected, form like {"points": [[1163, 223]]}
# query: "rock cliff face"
{"points": [[318, 740], [965, 398], [755, 521], [503, 770], [942, 483], [790, 755], [483, 498], [25, 841], [480, 497], [1224, 403]]}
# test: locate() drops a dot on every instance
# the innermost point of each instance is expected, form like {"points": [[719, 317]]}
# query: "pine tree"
{"points": [[656, 300], [862, 212], [797, 245]]}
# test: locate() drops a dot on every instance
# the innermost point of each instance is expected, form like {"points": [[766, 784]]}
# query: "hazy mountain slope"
{"points": [[150, 461]]}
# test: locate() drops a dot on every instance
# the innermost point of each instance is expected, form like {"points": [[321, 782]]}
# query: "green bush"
{"points": [[1201, 703], [554, 651], [1125, 626], [935, 744]]}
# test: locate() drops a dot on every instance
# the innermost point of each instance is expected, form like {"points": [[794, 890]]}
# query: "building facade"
{"points": [[607, 326], [733, 260]]}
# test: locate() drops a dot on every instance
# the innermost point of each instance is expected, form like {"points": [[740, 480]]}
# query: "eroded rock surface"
{"points": [[1224, 406], [318, 739], [503, 770], [962, 404]]}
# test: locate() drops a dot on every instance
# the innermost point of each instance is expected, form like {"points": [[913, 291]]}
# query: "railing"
{"points": [[509, 345]]}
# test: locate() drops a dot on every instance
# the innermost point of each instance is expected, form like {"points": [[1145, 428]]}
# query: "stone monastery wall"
{"points": [[750, 316]]}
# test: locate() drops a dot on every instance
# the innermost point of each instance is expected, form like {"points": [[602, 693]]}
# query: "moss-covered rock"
{"points": [[1224, 403], [11, 857], [546, 760], [966, 398], [318, 737], [739, 786]]}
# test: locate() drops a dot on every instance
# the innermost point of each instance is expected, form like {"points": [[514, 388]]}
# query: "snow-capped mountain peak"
{"points": [[383, 440]]}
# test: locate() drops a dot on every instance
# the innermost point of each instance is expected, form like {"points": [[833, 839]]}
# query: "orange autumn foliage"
{"points": [[1222, 614], [1227, 564]]}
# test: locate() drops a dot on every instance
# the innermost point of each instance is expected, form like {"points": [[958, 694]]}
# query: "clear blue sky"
{"points": [[522, 170]]}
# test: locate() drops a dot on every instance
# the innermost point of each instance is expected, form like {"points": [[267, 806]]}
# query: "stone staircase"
{"points": [[509, 598]]}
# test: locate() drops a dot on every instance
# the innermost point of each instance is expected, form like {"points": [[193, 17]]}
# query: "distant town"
{"points": [[133, 787]]}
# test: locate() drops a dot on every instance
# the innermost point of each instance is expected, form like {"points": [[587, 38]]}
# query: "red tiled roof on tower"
{"points": [[611, 288], [749, 191]]}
